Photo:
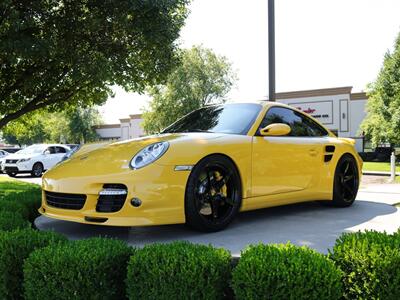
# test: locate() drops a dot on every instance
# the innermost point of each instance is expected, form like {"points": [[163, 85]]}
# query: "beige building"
{"points": [[338, 109]]}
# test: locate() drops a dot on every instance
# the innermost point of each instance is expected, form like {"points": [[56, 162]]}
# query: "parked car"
{"points": [[205, 168], [34, 159], [3, 155]]}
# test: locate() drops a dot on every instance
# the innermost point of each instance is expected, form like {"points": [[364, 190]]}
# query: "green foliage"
{"points": [[179, 270], [11, 220], [87, 269], [285, 272], [14, 207], [31, 200], [14, 248], [71, 126], [382, 123], [68, 53], [202, 78], [371, 264]]}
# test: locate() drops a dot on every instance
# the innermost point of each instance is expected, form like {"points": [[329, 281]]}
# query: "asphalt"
{"points": [[309, 224]]}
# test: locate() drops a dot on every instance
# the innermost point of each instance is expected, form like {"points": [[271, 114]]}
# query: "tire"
{"points": [[213, 194], [37, 170], [11, 174], [346, 182]]}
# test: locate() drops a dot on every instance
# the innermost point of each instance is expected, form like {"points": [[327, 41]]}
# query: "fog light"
{"points": [[136, 202]]}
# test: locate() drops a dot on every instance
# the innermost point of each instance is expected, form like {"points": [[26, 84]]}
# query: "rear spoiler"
{"points": [[348, 141]]}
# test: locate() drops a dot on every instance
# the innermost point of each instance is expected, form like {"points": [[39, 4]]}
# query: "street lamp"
{"points": [[271, 49]]}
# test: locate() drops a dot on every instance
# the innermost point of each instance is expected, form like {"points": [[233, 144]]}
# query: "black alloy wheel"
{"points": [[37, 170], [346, 181], [11, 174], [213, 194]]}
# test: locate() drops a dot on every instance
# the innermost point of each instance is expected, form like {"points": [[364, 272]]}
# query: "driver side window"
{"points": [[300, 125]]}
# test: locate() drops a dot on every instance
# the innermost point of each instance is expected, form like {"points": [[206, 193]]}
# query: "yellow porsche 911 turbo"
{"points": [[205, 168]]}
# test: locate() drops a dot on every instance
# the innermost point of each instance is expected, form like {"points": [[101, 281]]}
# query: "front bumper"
{"points": [[17, 168], [160, 189]]}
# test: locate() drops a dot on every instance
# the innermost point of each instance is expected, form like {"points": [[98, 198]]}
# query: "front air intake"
{"points": [[111, 198]]}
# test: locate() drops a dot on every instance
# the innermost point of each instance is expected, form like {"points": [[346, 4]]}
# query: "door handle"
{"points": [[313, 152]]}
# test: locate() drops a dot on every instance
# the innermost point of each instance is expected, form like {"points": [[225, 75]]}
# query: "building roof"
{"points": [[314, 93], [135, 116], [358, 96], [104, 126]]}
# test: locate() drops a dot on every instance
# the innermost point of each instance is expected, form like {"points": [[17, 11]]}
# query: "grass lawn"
{"points": [[379, 166], [9, 186]]}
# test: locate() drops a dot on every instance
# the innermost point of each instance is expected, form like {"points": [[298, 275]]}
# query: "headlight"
{"points": [[24, 159], [148, 155]]}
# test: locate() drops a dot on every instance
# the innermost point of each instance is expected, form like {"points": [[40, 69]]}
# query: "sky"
{"points": [[319, 44]]}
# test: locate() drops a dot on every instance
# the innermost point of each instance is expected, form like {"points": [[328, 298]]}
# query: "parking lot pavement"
{"points": [[307, 224], [25, 178]]}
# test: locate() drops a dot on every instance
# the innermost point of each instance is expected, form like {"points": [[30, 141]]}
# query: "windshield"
{"points": [[34, 149], [229, 118]]}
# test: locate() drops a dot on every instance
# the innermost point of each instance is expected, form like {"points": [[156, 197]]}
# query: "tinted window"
{"points": [[60, 150], [230, 118], [300, 124]]}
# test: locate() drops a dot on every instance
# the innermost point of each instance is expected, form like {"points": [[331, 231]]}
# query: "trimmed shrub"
{"points": [[88, 269], [14, 207], [285, 272], [371, 264], [179, 270], [31, 200], [14, 248], [11, 220]]}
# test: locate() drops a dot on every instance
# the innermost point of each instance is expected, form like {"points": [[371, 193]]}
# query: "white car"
{"points": [[34, 159], [3, 155]]}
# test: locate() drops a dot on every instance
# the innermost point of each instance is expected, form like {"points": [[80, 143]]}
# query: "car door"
{"points": [[282, 164]]}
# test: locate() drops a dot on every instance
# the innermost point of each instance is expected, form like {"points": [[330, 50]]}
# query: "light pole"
{"points": [[271, 49]]}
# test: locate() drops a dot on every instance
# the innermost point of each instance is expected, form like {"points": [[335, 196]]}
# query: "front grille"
{"points": [[66, 201], [11, 161], [111, 203]]}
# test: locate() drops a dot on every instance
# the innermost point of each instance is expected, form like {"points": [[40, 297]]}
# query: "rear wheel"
{"points": [[213, 194], [346, 181], [37, 170]]}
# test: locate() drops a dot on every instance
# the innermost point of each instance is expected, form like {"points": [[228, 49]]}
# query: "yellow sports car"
{"points": [[205, 168]]}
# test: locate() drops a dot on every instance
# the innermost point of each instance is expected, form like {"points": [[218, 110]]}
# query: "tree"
{"points": [[202, 78], [71, 126], [56, 53], [382, 123]]}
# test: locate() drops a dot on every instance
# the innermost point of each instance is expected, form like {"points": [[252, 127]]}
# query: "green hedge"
{"points": [[285, 272], [86, 269], [371, 264], [12, 220], [15, 207], [14, 248], [179, 270], [31, 200]]}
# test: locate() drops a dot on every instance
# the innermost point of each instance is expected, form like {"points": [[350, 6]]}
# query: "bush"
{"points": [[87, 269], [14, 207], [179, 270], [285, 272], [371, 264], [31, 200], [14, 248], [11, 220]]}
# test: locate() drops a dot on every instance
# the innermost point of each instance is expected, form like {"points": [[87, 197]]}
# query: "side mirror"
{"points": [[47, 152], [276, 129]]}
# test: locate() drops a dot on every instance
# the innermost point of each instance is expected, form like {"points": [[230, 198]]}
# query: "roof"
{"points": [[314, 93], [104, 126], [358, 96]]}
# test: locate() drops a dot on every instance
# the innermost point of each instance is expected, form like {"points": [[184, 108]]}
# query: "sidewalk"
{"points": [[378, 173]]}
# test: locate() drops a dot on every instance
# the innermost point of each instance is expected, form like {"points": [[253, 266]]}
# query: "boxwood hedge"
{"points": [[12, 220], [179, 270], [285, 272], [87, 269], [14, 248], [371, 264], [15, 207]]}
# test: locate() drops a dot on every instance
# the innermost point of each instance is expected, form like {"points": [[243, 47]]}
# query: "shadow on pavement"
{"points": [[307, 224]]}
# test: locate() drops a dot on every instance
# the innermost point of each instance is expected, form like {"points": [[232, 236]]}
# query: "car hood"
{"points": [[117, 156], [17, 156]]}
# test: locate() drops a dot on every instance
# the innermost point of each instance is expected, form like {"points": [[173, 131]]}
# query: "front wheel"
{"points": [[213, 194], [346, 182], [37, 170], [11, 174]]}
